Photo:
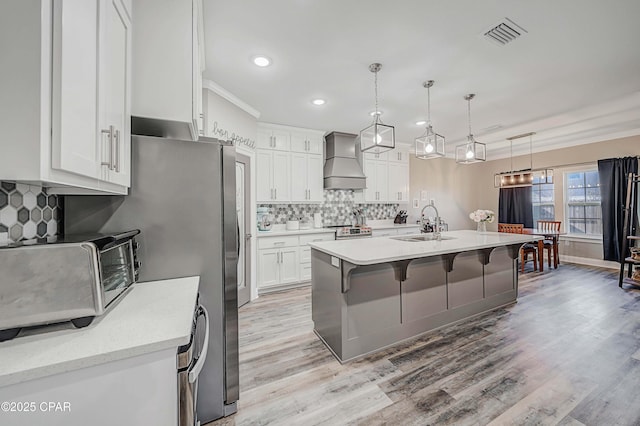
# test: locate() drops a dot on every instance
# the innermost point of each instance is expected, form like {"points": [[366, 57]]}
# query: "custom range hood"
{"points": [[342, 169]]}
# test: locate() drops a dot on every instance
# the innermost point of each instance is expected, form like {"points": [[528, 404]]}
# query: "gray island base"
{"points": [[362, 303]]}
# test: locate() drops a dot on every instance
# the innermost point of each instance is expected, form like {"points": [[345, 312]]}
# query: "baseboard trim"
{"points": [[275, 288], [590, 262]]}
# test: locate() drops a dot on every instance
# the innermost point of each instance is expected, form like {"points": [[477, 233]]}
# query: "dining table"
{"points": [[548, 234]]}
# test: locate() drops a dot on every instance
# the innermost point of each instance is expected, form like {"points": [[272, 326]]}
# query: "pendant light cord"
{"points": [[375, 83], [469, 110], [428, 106], [530, 152]]}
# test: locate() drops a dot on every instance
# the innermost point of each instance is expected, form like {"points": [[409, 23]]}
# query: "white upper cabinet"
{"points": [[387, 177], [398, 156], [168, 61], [66, 95], [309, 143], [306, 178], [301, 180], [273, 139], [398, 182], [114, 93], [76, 144], [273, 177]]}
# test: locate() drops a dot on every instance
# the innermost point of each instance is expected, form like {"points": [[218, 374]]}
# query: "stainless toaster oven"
{"points": [[74, 278]]}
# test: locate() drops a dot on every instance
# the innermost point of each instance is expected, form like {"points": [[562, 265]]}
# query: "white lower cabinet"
{"points": [[283, 261], [277, 266], [277, 261]]}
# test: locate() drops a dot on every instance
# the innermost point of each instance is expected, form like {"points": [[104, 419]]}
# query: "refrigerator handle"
{"points": [[238, 236], [195, 371]]}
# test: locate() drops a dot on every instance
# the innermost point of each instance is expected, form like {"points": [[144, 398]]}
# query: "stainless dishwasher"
{"points": [[191, 358]]}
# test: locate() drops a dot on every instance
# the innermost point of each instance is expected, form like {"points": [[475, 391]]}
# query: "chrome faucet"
{"points": [[436, 233]]}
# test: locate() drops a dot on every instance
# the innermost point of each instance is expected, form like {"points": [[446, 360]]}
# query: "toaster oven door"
{"points": [[117, 270]]}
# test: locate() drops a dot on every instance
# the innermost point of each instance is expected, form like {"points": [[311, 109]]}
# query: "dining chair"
{"points": [[512, 228], [517, 228], [551, 245]]}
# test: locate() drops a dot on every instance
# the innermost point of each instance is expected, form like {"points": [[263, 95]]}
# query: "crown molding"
{"points": [[594, 123], [222, 92]]}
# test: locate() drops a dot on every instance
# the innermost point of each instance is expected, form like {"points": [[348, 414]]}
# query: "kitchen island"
{"points": [[368, 294]]}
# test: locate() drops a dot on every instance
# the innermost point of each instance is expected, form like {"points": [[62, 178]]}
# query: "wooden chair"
{"points": [[551, 246], [516, 228], [511, 228]]}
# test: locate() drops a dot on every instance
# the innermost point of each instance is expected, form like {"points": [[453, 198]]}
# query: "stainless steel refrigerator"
{"points": [[182, 198]]}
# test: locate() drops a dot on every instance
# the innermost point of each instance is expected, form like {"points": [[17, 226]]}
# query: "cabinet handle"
{"points": [[278, 243], [110, 133], [116, 163], [275, 191]]}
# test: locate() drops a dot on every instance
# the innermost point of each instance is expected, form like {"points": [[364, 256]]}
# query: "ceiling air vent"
{"points": [[504, 32]]}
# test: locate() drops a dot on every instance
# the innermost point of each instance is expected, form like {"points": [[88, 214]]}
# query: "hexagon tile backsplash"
{"points": [[27, 211]]}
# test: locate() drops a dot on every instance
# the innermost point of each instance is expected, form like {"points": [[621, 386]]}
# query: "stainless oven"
{"points": [[74, 278]]}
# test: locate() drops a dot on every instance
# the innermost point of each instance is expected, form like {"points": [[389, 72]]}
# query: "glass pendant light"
{"points": [[472, 151], [430, 144], [378, 137]]}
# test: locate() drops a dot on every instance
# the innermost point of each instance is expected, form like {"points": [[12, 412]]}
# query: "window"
{"points": [[543, 203], [582, 201]]}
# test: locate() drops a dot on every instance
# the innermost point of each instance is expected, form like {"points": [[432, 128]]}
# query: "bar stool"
{"points": [[551, 246]]}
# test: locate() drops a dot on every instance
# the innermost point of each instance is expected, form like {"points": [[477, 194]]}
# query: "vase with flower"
{"points": [[481, 218]]}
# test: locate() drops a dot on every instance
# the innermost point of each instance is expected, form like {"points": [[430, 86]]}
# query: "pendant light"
{"points": [[430, 144], [526, 177], [378, 137], [472, 151]]}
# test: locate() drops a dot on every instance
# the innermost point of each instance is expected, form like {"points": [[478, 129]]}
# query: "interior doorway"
{"points": [[243, 205]]}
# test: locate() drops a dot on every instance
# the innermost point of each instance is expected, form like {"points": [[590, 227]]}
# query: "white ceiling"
{"points": [[573, 78]]}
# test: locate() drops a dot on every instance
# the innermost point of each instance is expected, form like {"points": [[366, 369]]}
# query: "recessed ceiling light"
{"points": [[318, 102], [261, 61], [372, 113], [421, 123]]}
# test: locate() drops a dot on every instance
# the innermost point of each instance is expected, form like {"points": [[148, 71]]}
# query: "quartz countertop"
{"points": [[151, 317], [369, 251], [284, 232]]}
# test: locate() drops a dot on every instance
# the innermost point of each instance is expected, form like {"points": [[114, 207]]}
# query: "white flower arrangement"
{"points": [[482, 216]]}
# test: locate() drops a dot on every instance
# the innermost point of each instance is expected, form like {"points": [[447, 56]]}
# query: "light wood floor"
{"points": [[567, 353]]}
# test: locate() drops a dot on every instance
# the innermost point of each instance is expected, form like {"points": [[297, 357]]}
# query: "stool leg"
{"points": [[535, 262], [522, 262]]}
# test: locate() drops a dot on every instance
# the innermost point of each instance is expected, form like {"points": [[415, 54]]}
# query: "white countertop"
{"points": [[283, 232], [153, 316], [369, 251]]}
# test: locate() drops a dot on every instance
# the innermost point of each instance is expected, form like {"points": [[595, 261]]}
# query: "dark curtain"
{"points": [[515, 206], [613, 174]]}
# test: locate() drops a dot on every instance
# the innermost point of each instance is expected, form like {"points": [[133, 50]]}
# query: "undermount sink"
{"points": [[422, 237]]}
